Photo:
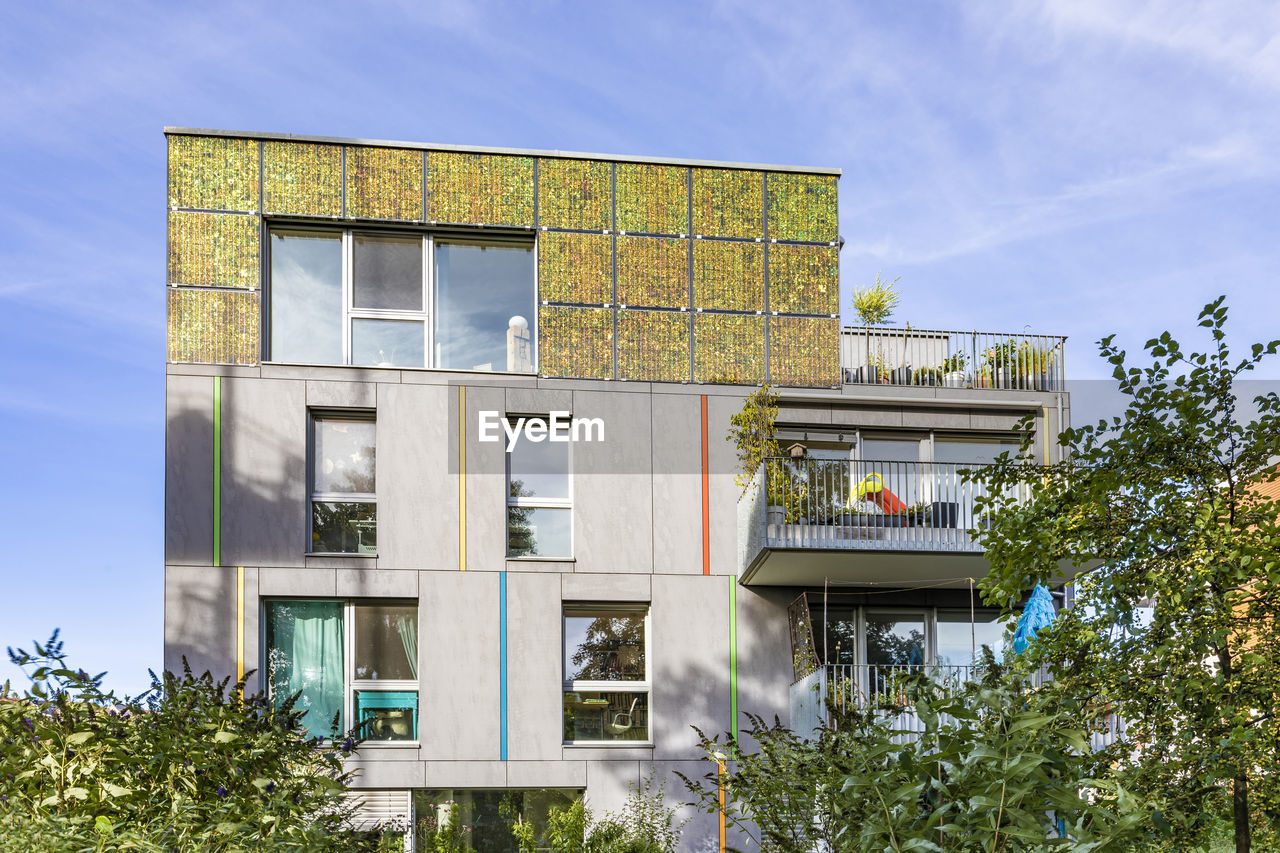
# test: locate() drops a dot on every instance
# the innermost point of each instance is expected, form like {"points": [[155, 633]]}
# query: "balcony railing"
{"points": [[869, 505], [842, 687], [925, 357]]}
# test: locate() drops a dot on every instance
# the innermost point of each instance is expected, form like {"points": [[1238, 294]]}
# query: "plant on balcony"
{"points": [[1000, 364], [1038, 364], [952, 370], [753, 430], [874, 306], [927, 376]]}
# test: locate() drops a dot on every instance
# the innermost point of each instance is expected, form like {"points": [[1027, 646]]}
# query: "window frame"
{"points": [[350, 684], [428, 316], [539, 502], [315, 416], [644, 687]]}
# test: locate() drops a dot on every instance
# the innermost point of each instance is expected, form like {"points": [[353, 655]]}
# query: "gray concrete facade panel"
{"points": [[612, 484], [458, 663], [606, 587], [373, 773], [486, 485], [546, 774], [377, 583], [677, 483], [538, 401], [188, 470], [465, 774], [325, 394], [723, 491], [535, 717], [274, 582], [690, 647], [417, 491], [200, 619], [264, 472]]}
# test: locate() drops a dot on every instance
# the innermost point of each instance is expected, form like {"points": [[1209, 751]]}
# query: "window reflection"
{"points": [[485, 312]]}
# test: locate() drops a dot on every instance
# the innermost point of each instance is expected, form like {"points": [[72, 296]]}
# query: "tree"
{"points": [[1161, 506], [191, 765]]}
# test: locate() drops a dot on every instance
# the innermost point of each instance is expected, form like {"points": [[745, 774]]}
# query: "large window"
{"points": [[344, 509], [606, 673], [892, 638], [401, 300], [349, 663], [539, 500]]}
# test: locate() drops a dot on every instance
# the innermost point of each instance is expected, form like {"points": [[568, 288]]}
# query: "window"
{"points": [[349, 662], [344, 509], [370, 299], [539, 504], [606, 673]]}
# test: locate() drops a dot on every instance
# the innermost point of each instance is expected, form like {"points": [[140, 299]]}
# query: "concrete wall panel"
{"points": [[376, 583], [199, 619], [546, 774], [466, 774], [188, 467], [341, 395], [593, 587], [677, 483], [612, 485], [417, 489], [535, 719], [486, 485], [690, 648], [458, 665], [264, 472], [297, 583]]}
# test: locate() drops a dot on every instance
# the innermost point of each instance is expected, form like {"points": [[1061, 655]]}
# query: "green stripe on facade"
{"points": [[217, 470], [733, 657]]}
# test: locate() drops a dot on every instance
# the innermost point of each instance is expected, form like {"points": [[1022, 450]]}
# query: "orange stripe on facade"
{"points": [[706, 496]]}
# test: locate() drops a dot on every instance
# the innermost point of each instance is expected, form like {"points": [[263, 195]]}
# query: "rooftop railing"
{"points": [[952, 359], [869, 504]]}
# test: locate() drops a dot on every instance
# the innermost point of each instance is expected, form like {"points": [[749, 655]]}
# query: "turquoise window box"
{"points": [[388, 714]]}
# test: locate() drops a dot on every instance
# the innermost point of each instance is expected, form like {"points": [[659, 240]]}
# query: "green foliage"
{"points": [[1164, 505], [192, 764], [449, 835], [874, 304], [752, 429], [645, 824], [996, 766]]}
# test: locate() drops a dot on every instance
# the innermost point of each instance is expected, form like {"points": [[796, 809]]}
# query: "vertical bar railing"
{"points": [[929, 357]]}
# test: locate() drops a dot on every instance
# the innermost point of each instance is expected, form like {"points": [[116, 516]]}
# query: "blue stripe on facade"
{"points": [[502, 671]]}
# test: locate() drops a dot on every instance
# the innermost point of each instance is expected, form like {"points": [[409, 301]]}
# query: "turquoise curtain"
{"points": [[306, 656]]}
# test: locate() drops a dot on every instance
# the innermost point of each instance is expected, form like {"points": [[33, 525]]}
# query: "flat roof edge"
{"points": [[481, 149]]}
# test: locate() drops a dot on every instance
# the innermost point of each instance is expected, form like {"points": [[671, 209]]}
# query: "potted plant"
{"points": [[952, 370], [1039, 363], [927, 376], [1001, 360], [874, 306]]}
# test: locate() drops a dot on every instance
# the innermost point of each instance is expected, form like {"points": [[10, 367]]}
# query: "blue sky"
{"points": [[1074, 167]]}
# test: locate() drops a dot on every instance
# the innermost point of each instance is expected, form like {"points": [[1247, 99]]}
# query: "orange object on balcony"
{"points": [[872, 489]]}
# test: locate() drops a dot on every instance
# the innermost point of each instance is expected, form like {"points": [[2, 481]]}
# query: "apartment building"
{"points": [[446, 457]]}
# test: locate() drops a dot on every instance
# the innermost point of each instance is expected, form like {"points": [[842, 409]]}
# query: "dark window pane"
{"points": [[304, 655], [960, 642], [484, 300], [539, 469], [306, 298], [344, 528], [605, 716], [386, 639], [604, 645], [388, 714], [894, 640], [539, 532], [344, 457], [490, 814], [387, 343], [387, 273]]}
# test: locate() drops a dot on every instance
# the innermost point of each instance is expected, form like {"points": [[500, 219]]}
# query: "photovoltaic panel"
{"points": [[384, 183], [575, 267], [213, 249], [653, 199], [804, 279], [574, 194], [728, 348], [213, 173], [575, 342], [802, 207], [653, 272], [653, 346], [213, 326], [302, 179], [480, 189], [804, 351], [728, 276], [728, 203]]}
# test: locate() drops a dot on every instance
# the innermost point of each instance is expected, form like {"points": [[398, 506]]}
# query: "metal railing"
{"points": [[952, 359], [870, 504], [842, 687]]}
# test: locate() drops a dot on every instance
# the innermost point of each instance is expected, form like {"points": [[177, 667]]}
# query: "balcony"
{"points": [[804, 521], [841, 687], [952, 359]]}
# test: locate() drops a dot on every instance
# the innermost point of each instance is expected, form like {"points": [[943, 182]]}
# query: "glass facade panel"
{"points": [[977, 451], [481, 293], [604, 645], [387, 343], [344, 528], [306, 297], [597, 716], [386, 642], [344, 457], [895, 640], [539, 532], [387, 273], [960, 644], [539, 469], [305, 657], [488, 815]]}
